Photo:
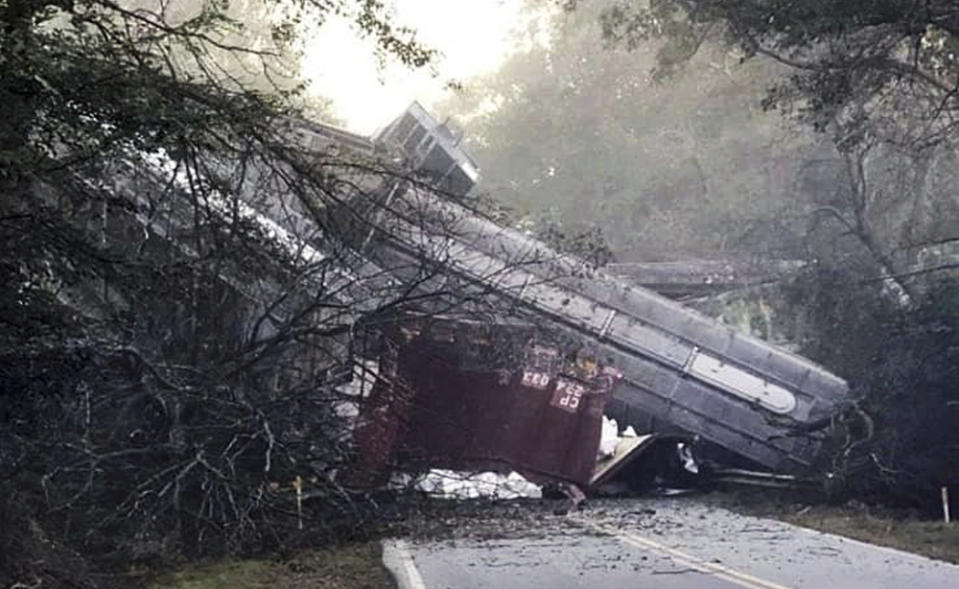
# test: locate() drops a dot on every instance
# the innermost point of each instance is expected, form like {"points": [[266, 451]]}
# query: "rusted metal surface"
{"points": [[475, 397]]}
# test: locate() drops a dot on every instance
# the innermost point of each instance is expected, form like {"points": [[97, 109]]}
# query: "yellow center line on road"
{"points": [[678, 556]]}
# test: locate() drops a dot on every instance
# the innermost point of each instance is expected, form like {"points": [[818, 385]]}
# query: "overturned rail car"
{"points": [[682, 372]]}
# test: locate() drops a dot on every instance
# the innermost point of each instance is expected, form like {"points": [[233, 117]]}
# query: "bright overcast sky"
{"points": [[473, 37]]}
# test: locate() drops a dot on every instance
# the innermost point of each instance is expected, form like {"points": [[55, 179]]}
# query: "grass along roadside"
{"points": [[352, 566], [359, 565], [884, 527]]}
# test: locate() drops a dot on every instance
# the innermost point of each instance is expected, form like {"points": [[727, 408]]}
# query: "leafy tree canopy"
{"points": [[82, 78], [166, 355], [853, 62]]}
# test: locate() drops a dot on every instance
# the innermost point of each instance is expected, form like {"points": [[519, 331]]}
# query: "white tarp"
{"points": [[450, 484]]}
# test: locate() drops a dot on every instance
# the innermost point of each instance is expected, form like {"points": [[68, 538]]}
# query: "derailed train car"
{"points": [[469, 395], [681, 371]]}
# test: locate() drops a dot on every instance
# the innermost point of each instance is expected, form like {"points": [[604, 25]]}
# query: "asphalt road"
{"points": [[672, 544]]}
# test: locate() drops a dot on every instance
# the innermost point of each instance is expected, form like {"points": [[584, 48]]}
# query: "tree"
{"points": [[902, 365], [577, 136], [170, 357], [881, 78], [845, 56]]}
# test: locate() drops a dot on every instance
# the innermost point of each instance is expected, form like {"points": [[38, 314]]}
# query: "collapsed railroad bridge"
{"points": [[518, 367], [582, 342]]}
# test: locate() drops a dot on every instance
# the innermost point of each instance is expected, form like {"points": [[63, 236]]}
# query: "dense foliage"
{"points": [[850, 62], [880, 79], [903, 366], [168, 361]]}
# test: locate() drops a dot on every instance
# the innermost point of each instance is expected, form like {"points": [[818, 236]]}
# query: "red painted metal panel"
{"points": [[465, 396]]}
